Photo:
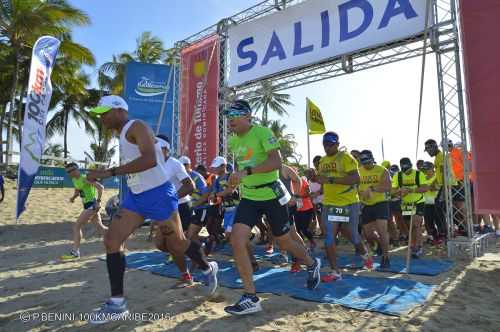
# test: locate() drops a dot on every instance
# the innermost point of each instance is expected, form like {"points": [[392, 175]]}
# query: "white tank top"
{"points": [[145, 180]]}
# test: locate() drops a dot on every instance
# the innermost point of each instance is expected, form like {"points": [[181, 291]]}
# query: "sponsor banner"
{"points": [[35, 116], [317, 30], [145, 88], [199, 113], [56, 177]]}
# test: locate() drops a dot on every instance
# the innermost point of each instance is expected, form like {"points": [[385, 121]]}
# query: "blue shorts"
{"points": [[332, 228], [89, 205], [157, 204], [229, 214]]}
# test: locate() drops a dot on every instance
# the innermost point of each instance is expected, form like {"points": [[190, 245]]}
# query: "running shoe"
{"points": [[109, 312], [210, 279], [295, 268], [314, 275], [186, 280], [269, 249], [368, 262], [417, 252], [247, 304], [73, 254], [331, 277], [385, 263]]}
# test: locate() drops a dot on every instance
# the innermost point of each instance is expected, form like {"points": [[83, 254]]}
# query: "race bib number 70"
{"points": [[338, 214]]}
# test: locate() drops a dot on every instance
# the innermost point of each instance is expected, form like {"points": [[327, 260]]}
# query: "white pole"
{"points": [[408, 255], [307, 134]]}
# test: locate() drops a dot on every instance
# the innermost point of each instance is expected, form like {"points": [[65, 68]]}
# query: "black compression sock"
{"points": [[194, 252], [116, 271]]}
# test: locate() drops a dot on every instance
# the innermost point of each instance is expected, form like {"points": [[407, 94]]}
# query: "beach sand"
{"points": [[33, 281]]}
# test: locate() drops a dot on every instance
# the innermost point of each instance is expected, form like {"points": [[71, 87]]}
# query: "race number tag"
{"points": [[281, 193], [408, 209], [338, 214]]}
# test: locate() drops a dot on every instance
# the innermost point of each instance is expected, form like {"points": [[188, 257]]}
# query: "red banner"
{"points": [[480, 27], [199, 112]]}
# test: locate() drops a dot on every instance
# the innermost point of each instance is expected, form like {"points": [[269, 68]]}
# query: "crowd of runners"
{"points": [[259, 199]]}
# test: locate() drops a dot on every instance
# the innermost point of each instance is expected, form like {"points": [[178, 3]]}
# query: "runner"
{"points": [[2, 189], [258, 159], [199, 202], [420, 165], [398, 229], [225, 192], [91, 206], [305, 214], [316, 161], [433, 225], [177, 175], [374, 188], [339, 176], [355, 154], [316, 195], [150, 196], [410, 185]]}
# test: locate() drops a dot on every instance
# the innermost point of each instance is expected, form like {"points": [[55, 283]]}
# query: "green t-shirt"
{"points": [[409, 182], [251, 150], [87, 191], [430, 195]]}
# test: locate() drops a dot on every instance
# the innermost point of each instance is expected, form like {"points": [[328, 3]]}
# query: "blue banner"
{"points": [[145, 87], [56, 177], [38, 97]]}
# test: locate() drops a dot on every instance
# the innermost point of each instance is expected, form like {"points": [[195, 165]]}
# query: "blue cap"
{"points": [[330, 137]]}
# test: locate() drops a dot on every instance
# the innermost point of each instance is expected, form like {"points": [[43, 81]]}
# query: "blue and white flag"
{"points": [[35, 116]]}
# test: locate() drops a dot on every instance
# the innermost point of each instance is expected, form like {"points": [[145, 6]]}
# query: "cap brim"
{"points": [[99, 110]]}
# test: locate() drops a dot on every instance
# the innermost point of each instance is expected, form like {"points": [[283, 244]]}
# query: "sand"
{"points": [[33, 282]]}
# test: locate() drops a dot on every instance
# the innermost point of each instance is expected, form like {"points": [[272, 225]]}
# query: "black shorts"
{"points": [[379, 211], [395, 207], [89, 205], [199, 217], [249, 212], [214, 211], [420, 211], [185, 212]]}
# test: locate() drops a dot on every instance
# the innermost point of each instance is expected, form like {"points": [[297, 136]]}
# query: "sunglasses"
{"points": [[235, 114]]}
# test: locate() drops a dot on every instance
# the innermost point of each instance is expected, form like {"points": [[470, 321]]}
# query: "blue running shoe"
{"points": [[314, 276], [247, 304]]}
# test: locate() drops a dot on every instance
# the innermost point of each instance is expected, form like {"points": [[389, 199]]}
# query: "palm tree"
{"points": [[268, 99], [22, 22], [149, 49], [53, 150], [288, 145], [101, 150], [68, 101]]}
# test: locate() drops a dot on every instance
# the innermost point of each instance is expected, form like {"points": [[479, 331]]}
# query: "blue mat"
{"points": [[388, 296], [422, 266]]}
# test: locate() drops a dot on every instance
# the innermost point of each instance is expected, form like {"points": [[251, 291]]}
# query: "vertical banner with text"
{"points": [[199, 112], [35, 116]]}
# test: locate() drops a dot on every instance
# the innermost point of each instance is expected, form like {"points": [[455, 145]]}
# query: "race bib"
{"points": [[281, 193], [408, 209], [338, 214]]}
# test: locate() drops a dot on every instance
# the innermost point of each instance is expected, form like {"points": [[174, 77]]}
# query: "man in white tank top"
{"points": [[151, 196]]}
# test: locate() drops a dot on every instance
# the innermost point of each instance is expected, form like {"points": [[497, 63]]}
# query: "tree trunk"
{"points": [[20, 115], [2, 119], [15, 79], [66, 113]]}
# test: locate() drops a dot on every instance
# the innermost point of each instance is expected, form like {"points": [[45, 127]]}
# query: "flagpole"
{"points": [[307, 134]]}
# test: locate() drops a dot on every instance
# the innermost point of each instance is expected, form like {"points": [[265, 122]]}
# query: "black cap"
{"points": [[239, 106], [366, 157], [427, 165]]}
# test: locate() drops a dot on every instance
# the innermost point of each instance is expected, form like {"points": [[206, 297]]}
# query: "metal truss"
{"points": [[444, 42]]}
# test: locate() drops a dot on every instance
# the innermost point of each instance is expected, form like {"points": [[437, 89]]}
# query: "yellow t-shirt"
{"points": [[409, 182], [338, 166], [369, 178], [430, 196]]}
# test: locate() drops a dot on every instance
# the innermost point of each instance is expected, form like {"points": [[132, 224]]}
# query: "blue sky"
{"points": [[362, 107]]}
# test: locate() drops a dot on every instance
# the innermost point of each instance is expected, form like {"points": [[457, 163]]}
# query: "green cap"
{"points": [[107, 103]]}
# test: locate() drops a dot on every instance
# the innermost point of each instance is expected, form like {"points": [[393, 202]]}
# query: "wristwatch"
{"points": [[248, 169], [330, 180]]}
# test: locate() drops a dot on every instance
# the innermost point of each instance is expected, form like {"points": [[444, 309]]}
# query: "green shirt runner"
{"points": [[87, 191], [251, 150]]}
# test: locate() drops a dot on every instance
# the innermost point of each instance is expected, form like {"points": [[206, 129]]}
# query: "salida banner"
{"points": [[199, 113], [317, 30]]}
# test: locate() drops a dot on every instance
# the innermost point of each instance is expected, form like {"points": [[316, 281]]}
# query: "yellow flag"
{"points": [[314, 118]]}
